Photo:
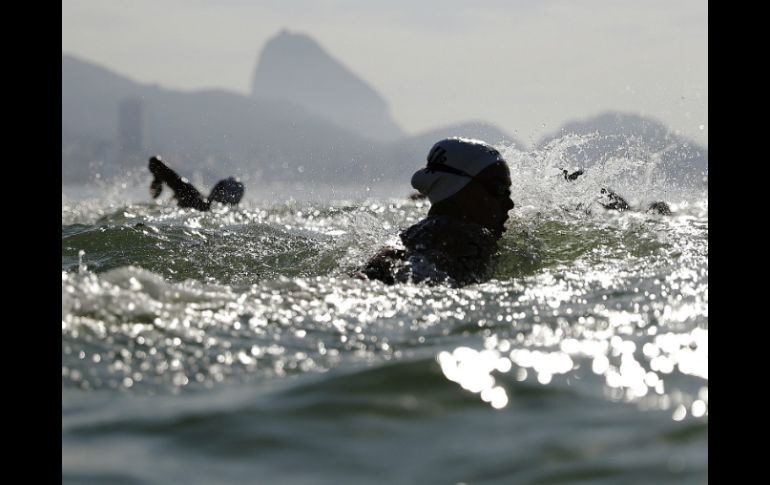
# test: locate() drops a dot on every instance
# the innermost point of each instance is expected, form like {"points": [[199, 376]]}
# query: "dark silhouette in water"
{"points": [[468, 184], [660, 207], [226, 191], [572, 176], [613, 201]]}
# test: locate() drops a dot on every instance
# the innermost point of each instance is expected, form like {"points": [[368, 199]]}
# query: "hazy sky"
{"points": [[526, 65]]}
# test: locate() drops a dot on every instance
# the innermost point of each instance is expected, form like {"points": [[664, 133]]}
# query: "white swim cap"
{"points": [[452, 162]]}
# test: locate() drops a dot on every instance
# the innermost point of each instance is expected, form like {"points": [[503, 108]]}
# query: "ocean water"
{"points": [[232, 347]]}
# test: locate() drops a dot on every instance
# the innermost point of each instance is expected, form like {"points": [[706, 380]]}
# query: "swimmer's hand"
{"points": [[156, 165], [359, 275], [156, 187]]}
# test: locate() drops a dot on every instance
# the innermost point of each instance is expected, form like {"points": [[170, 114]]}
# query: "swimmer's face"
{"points": [[488, 197]]}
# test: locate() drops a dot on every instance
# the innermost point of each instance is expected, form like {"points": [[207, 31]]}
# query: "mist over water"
{"points": [[232, 346]]}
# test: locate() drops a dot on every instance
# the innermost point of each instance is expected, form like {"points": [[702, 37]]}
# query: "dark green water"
{"points": [[231, 347]]}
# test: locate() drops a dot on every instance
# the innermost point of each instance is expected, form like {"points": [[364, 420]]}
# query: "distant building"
{"points": [[132, 133]]}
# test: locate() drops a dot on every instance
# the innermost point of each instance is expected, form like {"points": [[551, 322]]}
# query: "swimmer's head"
{"points": [[467, 179], [452, 164], [659, 207], [227, 191]]}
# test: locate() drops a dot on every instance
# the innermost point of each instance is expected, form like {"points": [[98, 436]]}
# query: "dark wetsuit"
{"points": [[227, 191], [437, 250], [186, 194]]}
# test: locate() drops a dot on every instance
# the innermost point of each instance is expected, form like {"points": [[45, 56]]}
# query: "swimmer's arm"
{"points": [[163, 173], [184, 192], [156, 187], [380, 266], [572, 176]]}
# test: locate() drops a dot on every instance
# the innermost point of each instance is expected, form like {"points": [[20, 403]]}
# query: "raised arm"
{"points": [[184, 192]]}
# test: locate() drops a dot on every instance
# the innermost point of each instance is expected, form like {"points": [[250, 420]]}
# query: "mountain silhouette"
{"points": [[293, 67], [211, 131], [218, 133]]}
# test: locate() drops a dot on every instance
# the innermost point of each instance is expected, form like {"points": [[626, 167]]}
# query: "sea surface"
{"points": [[233, 347]]}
